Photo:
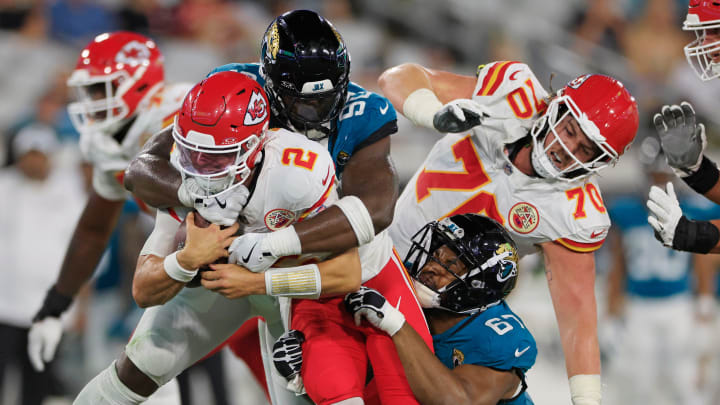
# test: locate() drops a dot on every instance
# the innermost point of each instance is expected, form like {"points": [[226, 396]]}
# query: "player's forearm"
{"points": [[151, 284], [578, 335], [429, 379], [341, 275], [328, 231], [571, 279], [88, 243], [369, 176], [151, 177]]}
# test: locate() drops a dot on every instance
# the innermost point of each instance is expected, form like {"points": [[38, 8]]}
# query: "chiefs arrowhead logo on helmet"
{"points": [[256, 110], [133, 53]]}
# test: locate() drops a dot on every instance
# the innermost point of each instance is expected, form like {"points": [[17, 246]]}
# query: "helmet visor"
{"points": [[206, 163], [214, 169], [314, 108]]}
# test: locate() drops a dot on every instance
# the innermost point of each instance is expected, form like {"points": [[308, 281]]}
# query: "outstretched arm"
{"points": [[432, 98], [339, 275], [370, 176], [433, 383], [429, 379], [398, 82], [571, 278], [87, 245], [151, 177]]}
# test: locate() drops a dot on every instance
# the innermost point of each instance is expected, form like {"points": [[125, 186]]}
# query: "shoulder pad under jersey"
{"points": [[366, 118], [510, 89], [250, 69]]}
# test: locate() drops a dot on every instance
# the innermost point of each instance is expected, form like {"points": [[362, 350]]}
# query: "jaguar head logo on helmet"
{"points": [[114, 78], [219, 132]]}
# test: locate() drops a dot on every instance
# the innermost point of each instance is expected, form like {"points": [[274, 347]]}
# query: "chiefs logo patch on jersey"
{"points": [[457, 357], [278, 218], [523, 217]]}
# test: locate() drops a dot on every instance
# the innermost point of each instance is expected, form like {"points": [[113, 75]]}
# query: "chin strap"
{"points": [[426, 296]]}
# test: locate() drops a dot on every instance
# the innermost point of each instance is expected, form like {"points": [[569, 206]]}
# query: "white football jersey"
{"points": [[296, 181], [110, 158], [471, 173]]}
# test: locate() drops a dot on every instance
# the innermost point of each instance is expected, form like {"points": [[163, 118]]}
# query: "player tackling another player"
{"points": [[526, 159]]}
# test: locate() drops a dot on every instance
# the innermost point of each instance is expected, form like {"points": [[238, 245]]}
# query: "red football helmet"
{"points": [[703, 15], [605, 112], [219, 132], [116, 75]]}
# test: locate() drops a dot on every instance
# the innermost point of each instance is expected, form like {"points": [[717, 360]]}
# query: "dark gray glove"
{"points": [[683, 139], [459, 116], [287, 353]]}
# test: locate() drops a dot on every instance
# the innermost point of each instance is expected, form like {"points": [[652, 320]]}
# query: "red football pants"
{"points": [[335, 351]]}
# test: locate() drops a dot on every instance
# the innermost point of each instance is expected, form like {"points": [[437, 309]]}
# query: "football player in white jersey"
{"points": [[121, 99], [527, 162], [222, 143], [683, 140]]}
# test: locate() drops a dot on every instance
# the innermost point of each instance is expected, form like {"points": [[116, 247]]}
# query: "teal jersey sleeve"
{"points": [[366, 118]]}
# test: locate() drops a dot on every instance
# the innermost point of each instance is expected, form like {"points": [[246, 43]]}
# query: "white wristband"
{"points": [[294, 282], [585, 389], [420, 107], [284, 242], [359, 217], [175, 271]]}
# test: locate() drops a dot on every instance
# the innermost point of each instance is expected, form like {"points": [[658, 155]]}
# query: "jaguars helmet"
{"points": [[486, 249], [307, 70]]}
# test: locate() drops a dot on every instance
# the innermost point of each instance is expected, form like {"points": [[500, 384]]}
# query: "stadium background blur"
{"points": [[638, 41]]}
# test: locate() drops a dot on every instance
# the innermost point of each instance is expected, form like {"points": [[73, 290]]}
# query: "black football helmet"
{"points": [[486, 249], [307, 70]]}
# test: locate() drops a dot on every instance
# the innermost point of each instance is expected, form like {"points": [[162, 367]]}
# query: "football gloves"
{"points": [[683, 139], [252, 251], [46, 329], [459, 116], [287, 354], [665, 213], [371, 305], [223, 209]]}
